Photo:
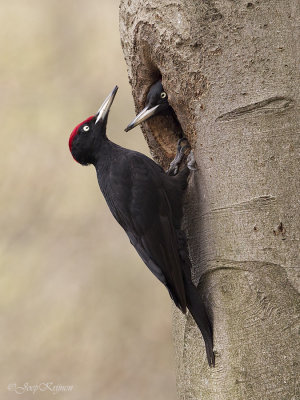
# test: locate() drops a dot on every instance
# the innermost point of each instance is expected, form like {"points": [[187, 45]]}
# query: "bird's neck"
{"points": [[104, 155]]}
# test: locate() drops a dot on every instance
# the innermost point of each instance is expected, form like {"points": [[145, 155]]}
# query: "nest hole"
{"points": [[163, 131]]}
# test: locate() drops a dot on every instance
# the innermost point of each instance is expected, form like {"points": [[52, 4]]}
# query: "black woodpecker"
{"points": [[156, 103], [147, 203]]}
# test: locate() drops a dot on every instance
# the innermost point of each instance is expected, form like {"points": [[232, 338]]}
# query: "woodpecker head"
{"points": [[156, 103], [87, 136]]}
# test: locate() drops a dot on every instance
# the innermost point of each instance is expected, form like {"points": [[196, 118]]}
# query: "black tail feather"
{"points": [[197, 308], [195, 301]]}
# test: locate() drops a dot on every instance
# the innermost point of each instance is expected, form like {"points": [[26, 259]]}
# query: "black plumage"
{"points": [[156, 103], [147, 203]]}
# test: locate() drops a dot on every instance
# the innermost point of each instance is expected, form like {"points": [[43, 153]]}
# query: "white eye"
{"points": [[163, 95], [86, 128]]}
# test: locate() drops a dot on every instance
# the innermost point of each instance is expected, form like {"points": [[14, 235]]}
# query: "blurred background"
{"points": [[78, 306]]}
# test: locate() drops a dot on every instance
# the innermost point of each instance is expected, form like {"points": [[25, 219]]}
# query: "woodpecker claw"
{"points": [[174, 165], [191, 162]]}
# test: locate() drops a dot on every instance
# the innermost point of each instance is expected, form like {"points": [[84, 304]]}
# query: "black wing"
{"points": [[136, 196]]}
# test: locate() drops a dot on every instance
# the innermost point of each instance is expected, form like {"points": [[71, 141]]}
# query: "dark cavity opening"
{"points": [[162, 131]]}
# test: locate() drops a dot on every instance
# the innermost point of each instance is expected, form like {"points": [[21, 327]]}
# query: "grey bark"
{"points": [[231, 71]]}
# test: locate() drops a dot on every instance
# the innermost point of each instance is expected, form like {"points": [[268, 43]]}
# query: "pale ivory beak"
{"points": [[104, 109], [146, 113]]}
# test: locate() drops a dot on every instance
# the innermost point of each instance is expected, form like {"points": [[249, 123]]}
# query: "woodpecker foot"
{"points": [[174, 166], [191, 162]]}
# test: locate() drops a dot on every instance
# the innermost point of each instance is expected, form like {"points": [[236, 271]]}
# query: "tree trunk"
{"points": [[231, 71]]}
